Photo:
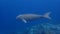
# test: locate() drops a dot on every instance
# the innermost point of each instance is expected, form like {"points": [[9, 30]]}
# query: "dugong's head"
{"points": [[19, 17]]}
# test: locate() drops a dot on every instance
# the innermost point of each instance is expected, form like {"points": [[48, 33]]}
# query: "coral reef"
{"points": [[44, 29]]}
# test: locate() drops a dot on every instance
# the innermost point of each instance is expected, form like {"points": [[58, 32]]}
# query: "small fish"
{"points": [[25, 17]]}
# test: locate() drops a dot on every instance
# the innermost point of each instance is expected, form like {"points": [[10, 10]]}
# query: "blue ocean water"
{"points": [[9, 9]]}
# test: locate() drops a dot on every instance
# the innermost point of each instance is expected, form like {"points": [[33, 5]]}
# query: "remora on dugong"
{"points": [[25, 17]]}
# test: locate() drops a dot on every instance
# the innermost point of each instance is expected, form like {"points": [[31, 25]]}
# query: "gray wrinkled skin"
{"points": [[26, 17]]}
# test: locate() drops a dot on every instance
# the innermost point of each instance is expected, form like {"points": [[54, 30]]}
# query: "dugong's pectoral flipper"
{"points": [[24, 20]]}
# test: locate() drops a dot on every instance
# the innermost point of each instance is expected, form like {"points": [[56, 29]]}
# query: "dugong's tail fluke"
{"points": [[46, 15]]}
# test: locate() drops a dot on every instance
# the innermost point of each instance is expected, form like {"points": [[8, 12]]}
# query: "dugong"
{"points": [[25, 17]]}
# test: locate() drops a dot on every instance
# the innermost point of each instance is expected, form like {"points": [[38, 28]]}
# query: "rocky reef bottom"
{"points": [[44, 29]]}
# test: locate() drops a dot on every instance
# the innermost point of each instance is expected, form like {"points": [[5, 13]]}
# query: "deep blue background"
{"points": [[9, 9]]}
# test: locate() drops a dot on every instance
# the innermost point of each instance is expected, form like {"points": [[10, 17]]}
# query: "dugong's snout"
{"points": [[17, 17]]}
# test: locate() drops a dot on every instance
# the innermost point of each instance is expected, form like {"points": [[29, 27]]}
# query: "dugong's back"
{"points": [[29, 16]]}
